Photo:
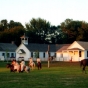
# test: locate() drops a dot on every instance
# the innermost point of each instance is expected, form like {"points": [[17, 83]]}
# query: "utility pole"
{"points": [[48, 57]]}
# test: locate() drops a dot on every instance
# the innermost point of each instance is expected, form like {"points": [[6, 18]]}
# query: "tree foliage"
{"points": [[41, 31], [11, 31], [37, 30], [74, 30]]}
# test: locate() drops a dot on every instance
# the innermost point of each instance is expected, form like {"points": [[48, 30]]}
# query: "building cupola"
{"points": [[24, 39]]}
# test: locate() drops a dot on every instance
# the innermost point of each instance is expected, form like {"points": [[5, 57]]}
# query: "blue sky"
{"points": [[54, 11]]}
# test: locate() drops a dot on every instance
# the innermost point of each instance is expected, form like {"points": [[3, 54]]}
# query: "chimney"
{"points": [[12, 42]]}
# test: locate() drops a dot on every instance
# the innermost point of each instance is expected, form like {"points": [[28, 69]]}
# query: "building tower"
{"points": [[24, 39]]}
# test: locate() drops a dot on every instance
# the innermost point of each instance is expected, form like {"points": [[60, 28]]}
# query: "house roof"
{"points": [[44, 47], [23, 36], [83, 44], [64, 47], [8, 47]]}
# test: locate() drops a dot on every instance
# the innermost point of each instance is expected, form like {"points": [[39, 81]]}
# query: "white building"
{"points": [[7, 51], [76, 51], [25, 50]]}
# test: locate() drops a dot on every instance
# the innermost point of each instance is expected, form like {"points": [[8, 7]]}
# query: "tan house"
{"points": [[76, 51]]}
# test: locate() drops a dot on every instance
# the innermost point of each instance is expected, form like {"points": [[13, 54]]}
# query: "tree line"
{"points": [[41, 31]]}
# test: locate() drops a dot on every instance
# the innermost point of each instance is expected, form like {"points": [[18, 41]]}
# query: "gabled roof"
{"points": [[23, 36], [43, 47], [8, 47], [83, 44], [64, 47]]}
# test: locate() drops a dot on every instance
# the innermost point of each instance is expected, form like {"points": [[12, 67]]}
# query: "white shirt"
{"points": [[38, 60]]}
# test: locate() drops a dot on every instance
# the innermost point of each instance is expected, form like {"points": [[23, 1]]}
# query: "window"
{"points": [[87, 53], [79, 53], [25, 38], [61, 55], [55, 54], [38, 54], [43, 54], [31, 54], [12, 54], [3, 54]]}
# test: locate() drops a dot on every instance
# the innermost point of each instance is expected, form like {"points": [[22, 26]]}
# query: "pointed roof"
{"points": [[81, 43], [64, 47], [24, 36]]}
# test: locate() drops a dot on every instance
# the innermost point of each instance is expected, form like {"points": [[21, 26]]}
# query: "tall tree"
{"points": [[3, 25], [11, 31], [37, 30], [74, 30]]}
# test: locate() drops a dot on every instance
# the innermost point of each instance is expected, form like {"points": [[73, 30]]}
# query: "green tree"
{"points": [[36, 54], [37, 30], [3, 25], [74, 30], [11, 31]]}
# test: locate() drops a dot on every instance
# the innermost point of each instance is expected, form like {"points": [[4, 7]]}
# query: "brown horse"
{"points": [[84, 63], [11, 67]]}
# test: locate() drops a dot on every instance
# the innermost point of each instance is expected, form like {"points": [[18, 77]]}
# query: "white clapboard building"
{"points": [[76, 51], [25, 50], [7, 51]]}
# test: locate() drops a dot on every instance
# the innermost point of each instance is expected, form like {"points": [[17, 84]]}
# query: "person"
{"points": [[39, 63], [22, 64], [38, 60], [16, 65], [30, 61]]}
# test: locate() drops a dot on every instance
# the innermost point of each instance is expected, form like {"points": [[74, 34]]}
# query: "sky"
{"points": [[53, 11]]}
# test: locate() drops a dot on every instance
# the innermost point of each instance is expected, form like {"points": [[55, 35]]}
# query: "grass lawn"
{"points": [[59, 75]]}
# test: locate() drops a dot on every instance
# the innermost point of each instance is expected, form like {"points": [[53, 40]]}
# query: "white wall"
{"points": [[5, 57], [26, 56]]}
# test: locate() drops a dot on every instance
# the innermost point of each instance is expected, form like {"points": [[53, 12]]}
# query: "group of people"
{"points": [[20, 66]]}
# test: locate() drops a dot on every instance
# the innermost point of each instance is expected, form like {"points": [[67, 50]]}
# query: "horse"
{"points": [[39, 65], [26, 68], [11, 67], [51, 58], [32, 65], [84, 63]]}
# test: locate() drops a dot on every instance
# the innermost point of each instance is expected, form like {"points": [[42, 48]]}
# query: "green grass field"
{"points": [[59, 75]]}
